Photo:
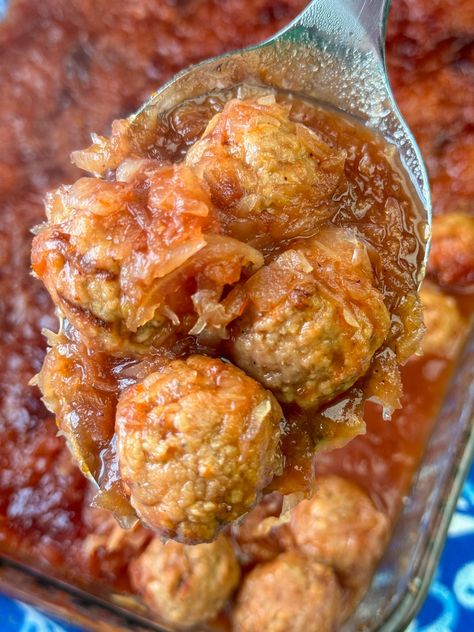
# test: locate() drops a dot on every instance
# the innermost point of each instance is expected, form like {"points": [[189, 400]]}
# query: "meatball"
{"points": [[289, 594], [445, 326], [315, 320], [269, 177], [186, 585], [76, 387], [105, 244], [79, 387], [341, 527], [197, 442], [451, 260], [117, 257]]}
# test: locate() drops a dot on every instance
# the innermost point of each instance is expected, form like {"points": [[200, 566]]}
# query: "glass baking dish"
{"points": [[403, 576]]}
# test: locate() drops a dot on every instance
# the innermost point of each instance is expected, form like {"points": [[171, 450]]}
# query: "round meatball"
{"points": [[186, 585], [315, 320], [122, 259], [269, 177], [451, 260], [77, 387], [445, 326], [289, 594], [341, 527], [197, 442], [106, 243]]}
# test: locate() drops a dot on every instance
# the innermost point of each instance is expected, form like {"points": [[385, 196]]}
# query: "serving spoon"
{"points": [[332, 52]]}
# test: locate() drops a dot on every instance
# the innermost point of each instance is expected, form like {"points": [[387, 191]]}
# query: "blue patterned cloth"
{"points": [[448, 608]]}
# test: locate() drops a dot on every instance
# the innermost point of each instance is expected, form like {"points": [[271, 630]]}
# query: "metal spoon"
{"points": [[332, 52]]}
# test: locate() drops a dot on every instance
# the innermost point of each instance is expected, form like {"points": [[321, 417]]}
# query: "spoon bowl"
{"points": [[333, 52]]}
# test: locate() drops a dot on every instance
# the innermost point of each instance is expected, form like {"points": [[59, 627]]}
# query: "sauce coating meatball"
{"points": [[269, 177], [197, 442], [445, 326], [315, 320], [155, 259], [79, 387], [114, 255], [341, 527], [73, 384], [289, 594], [451, 260], [186, 585], [107, 242]]}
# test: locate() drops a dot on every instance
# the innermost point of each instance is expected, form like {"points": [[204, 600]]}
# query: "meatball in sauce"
{"points": [[314, 321], [260, 240], [197, 443], [186, 585], [269, 177], [289, 594], [71, 68], [340, 526]]}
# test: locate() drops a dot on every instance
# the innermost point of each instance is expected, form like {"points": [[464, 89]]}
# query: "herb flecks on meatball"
{"points": [[118, 257], [197, 443], [186, 585], [315, 320], [269, 177]]}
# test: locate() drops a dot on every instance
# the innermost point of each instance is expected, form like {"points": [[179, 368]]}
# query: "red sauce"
{"points": [[360, 187], [384, 459], [72, 67]]}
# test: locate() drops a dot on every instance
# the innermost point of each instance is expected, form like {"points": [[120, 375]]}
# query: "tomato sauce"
{"points": [[71, 67]]}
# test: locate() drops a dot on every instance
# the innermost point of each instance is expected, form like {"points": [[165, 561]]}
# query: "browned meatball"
{"points": [[79, 387], [270, 178], [445, 326], [117, 257], [76, 388], [451, 260], [197, 443], [289, 594], [341, 527], [315, 320], [186, 585]]}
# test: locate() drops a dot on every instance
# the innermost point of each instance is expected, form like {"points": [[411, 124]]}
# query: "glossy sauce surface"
{"points": [[101, 60], [360, 189]]}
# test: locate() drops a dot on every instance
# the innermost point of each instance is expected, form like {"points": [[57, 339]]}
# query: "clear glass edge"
{"points": [[404, 612]]}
